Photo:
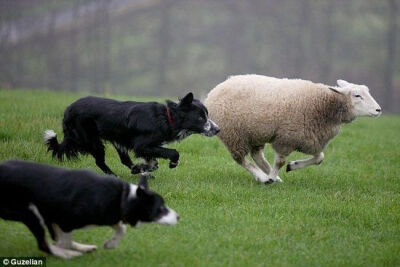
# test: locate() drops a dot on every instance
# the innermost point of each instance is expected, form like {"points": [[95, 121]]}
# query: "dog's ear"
{"points": [[186, 100], [143, 182]]}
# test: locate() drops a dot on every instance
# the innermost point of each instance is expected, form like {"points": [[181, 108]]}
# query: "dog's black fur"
{"points": [[71, 199], [141, 127]]}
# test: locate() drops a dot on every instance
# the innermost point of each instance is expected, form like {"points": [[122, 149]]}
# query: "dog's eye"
{"points": [[163, 210]]}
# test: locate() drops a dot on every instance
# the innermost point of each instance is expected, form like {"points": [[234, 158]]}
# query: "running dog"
{"points": [[130, 126]]}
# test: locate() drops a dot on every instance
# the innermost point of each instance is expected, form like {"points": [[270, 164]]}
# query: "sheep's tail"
{"points": [[66, 147]]}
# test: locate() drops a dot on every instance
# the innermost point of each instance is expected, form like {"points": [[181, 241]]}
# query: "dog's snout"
{"points": [[215, 127]]}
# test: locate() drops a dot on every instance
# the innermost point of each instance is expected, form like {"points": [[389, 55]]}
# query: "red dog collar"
{"points": [[169, 117]]}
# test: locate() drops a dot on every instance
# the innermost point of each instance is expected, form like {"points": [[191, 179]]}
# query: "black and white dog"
{"points": [[63, 200], [141, 127]]}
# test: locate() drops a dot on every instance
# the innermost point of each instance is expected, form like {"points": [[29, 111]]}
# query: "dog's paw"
{"points": [[135, 169], [152, 168], [63, 253], [173, 164], [139, 168], [153, 164], [143, 168]]}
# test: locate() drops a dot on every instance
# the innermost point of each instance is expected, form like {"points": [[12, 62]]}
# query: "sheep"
{"points": [[290, 114]]}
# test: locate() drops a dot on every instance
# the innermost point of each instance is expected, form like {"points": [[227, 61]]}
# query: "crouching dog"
{"points": [[61, 200]]}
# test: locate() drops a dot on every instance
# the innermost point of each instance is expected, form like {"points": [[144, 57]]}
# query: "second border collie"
{"points": [[61, 200], [141, 127]]}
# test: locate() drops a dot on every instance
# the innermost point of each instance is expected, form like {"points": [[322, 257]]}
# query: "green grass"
{"points": [[343, 212]]}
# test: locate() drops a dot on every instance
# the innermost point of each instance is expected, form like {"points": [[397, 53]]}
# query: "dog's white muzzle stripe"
{"points": [[171, 218]]}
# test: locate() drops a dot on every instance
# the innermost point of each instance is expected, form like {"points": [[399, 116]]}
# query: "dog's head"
{"points": [[145, 206], [193, 116]]}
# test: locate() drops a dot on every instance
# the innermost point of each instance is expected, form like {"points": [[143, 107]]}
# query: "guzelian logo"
{"points": [[23, 261]]}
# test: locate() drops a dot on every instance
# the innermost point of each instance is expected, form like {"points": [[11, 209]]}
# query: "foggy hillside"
{"points": [[168, 47]]}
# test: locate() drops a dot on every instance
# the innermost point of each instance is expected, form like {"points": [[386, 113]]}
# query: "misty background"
{"points": [[170, 47]]}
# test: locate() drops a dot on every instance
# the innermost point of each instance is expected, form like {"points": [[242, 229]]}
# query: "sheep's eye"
{"points": [[358, 96]]}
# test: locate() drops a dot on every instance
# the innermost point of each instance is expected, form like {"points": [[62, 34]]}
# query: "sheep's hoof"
{"points": [[269, 181], [288, 168]]}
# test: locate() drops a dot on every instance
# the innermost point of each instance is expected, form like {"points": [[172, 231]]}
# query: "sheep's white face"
{"points": [[363, 103]]}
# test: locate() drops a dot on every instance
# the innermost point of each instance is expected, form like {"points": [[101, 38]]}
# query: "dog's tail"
{"points": [[66, 147]]}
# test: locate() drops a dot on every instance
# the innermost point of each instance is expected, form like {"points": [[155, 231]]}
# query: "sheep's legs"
{"points": [[257, 153], [299, 164], [255, 171], [279, 162]]}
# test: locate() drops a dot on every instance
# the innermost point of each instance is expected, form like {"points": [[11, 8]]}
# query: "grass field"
{"points": [[344, 212]]}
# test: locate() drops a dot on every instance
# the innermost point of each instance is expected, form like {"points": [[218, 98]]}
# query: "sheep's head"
{"points": [[363, 104]]}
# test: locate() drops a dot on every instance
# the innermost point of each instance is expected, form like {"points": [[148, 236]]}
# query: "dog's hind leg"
{"points": [[124, 157], [87, 136], [51, 230], [34, 221], [98, 153], [28, 214], [64, 240]]}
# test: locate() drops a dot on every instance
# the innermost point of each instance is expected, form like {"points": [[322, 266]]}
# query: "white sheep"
{"points": [[290, 114]]}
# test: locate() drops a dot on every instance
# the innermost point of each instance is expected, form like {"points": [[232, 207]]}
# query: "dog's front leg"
{"points": [[159, 152], [120, 230]]}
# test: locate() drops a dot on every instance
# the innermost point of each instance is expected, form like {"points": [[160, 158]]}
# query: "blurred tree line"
{"points": [[167, 47]]}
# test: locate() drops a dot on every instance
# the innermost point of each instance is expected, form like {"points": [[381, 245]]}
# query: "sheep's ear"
{"points": [[338, 90], [342, 83], [186, 100]]}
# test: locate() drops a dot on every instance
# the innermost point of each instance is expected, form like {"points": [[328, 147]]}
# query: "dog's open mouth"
{"points": [[183, 134], [210, 133]]}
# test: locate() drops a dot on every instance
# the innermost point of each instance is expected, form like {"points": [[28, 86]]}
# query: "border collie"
{"points": [[141, 127], [63, 200]]}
